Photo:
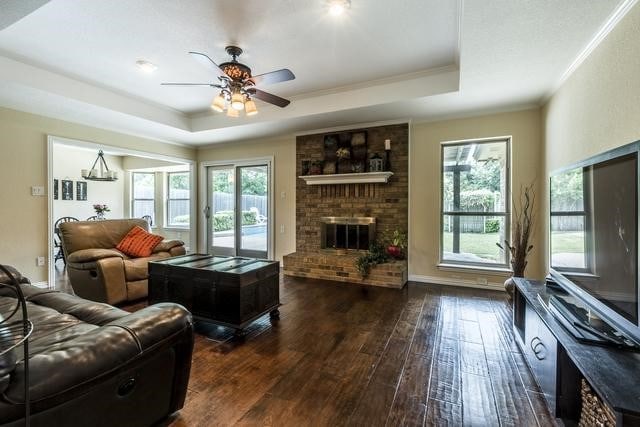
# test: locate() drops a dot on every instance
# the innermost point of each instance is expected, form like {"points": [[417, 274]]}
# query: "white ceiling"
{"points": [[420, 59]]}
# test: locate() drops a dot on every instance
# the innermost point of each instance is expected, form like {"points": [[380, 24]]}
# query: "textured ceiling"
{"points": [[413, 59], [99, 41]]}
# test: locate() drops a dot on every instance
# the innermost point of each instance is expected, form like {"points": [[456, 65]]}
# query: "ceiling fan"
{"points": [[237, 85]]}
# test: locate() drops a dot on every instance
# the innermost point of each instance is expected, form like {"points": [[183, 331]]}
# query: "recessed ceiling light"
{"points": [[338, 7], [146, 66]]}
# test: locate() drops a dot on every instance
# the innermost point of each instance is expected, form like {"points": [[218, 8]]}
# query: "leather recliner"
{"points": [[94, 364], [98, 271]]}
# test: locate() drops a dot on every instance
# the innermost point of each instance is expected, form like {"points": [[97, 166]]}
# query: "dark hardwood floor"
{"points": [[349, 355]]}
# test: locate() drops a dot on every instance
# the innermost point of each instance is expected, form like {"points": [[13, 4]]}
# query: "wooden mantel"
{"points": [[348, 178]]}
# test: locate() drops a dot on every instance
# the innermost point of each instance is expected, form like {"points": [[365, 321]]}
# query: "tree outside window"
{"points": [[475, 186]]}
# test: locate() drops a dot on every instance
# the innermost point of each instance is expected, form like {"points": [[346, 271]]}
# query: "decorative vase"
{"points": [[394, 251], [100, 216], [509, 286], [375, 163]]}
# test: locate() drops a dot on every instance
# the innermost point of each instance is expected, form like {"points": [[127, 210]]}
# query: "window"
{"points": [[475, 191], [143, 190], [570, 221], [178, 199]]}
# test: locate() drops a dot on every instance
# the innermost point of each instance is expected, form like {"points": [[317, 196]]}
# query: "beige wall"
{"points": [[597, 108], [283, 150], [23, 163], [424, 191]]}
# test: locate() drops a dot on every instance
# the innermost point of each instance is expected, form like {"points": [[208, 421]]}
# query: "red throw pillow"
{"points": [[139, 243]]}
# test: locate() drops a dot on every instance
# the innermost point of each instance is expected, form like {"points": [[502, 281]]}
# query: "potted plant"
{"points": [[397, 244], [374, 256], [522, 227]]}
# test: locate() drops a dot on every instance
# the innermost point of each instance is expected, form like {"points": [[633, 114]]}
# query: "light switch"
{"points": [[283, 195], [37, 190]]}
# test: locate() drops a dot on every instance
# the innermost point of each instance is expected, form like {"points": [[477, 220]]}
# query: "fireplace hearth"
{"points": [[347, 232]]}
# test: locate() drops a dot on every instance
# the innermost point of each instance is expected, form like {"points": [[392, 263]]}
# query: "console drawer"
{"points": [[541, 352]]}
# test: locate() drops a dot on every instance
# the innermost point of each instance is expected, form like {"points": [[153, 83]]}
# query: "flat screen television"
{"points": [[594, 234]]}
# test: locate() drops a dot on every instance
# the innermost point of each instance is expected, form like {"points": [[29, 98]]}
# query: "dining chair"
{"points": [[57, 241], [148, 219]]}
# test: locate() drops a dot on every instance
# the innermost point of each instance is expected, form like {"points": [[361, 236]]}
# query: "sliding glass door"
{"points": [[238, 206]]}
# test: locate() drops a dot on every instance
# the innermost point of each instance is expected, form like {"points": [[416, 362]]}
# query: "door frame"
{"points": [[203, 241], [53, 140]]}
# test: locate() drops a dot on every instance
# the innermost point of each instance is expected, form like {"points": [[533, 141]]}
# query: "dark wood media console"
{"points": [[559, 362]]}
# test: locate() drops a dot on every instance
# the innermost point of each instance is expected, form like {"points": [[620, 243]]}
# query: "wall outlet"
{"points": [[40, 261], [481, 280], [37, 190], [281, 228], [283, 195]]}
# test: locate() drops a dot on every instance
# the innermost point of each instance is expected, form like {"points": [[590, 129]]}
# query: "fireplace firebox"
{"points": [[347, 232]]}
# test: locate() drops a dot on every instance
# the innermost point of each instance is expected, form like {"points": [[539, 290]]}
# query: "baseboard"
{"points": [[455, 282]]}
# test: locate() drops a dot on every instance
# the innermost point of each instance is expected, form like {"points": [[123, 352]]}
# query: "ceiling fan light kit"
{"points": [[250, 108], [238, 86], [237, 101], [219, 103]]}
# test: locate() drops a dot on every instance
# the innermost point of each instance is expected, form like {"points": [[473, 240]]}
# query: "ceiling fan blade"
{"points": [[268, 97], [208, 63], [191, 84], [273, 77]]}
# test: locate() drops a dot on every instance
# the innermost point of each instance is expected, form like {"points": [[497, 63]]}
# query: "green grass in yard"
{"points": [[567, 242], [480, 244], [484, 244]]}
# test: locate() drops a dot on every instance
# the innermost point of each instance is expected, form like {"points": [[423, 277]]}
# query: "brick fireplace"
{"points": [[335, 222]]}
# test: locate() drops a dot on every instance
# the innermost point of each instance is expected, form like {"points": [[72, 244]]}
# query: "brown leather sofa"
{"points": [[99, 272], [91, 364]]}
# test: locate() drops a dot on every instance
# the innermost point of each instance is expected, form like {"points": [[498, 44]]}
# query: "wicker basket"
{"points": [[595, 413]]}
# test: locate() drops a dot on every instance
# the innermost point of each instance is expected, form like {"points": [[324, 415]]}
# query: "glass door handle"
{"points": [[207, 212]]}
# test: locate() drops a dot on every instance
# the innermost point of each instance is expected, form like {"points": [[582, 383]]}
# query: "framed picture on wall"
{"points": [[67, 189], [55, 189], [81, 190]]}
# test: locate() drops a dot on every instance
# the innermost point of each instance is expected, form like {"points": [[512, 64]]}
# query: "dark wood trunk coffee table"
{"points": [[228, 291]]}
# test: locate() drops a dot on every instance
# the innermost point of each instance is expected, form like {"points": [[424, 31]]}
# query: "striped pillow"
{"points": [[139, 243]]}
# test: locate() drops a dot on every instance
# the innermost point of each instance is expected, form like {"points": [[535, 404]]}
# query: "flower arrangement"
{"points": [[101, 209], [343, 153], [397, 244]]}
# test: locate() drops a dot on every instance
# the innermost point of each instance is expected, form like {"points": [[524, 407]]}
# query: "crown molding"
{"points": [[611, 22]]}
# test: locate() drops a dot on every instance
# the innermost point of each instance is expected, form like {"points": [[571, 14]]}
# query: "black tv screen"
{"points": [[594, 230]]}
